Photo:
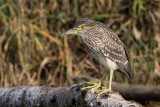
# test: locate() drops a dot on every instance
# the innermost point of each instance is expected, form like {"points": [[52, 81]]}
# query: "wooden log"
{"points": [[29, 96]]}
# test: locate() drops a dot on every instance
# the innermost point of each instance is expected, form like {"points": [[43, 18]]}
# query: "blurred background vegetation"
{"points": [[33, 51]]}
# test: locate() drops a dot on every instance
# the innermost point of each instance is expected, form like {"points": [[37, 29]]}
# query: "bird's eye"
{"points": [[82, 27]]}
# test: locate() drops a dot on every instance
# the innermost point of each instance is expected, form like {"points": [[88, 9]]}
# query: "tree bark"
{"points": [[29, 96]]}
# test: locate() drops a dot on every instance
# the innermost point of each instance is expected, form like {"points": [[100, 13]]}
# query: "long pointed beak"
{"points": [[71, 31]]}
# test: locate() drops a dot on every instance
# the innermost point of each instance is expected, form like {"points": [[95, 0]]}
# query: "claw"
{"points": [[103, 92], [87, 87], [94, 86]]}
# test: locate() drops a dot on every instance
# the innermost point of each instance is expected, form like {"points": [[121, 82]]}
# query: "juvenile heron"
{"points": [[105, 46]]}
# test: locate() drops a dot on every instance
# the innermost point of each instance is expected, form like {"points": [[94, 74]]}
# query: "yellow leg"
{"points": [[110, 79], [95, 85], [109, 90]]}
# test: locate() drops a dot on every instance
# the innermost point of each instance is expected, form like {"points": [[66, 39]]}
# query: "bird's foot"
{"points": [[94, 86], [104, 91]]}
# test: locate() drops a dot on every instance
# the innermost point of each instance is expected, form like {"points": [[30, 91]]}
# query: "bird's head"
{"points": [[81, 27]]}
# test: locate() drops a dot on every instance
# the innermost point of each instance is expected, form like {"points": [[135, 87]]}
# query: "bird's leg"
{"points": [[109, 90], [95, 85], [110, 79]]}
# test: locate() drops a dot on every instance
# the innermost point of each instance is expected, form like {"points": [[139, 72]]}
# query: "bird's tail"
{"points": [[128, 69], [125, 69]]}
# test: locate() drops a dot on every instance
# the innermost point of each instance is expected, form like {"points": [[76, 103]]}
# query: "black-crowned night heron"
{"points": [[105, 46]]}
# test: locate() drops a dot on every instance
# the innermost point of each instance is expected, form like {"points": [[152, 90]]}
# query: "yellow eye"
{"points": [[82, 27]]}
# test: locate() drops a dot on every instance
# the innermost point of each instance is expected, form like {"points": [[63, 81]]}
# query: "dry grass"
{"points": [[33, 52]]}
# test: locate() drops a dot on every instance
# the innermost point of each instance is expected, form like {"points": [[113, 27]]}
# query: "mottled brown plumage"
{"points": [[101, 41], [105, 46]]}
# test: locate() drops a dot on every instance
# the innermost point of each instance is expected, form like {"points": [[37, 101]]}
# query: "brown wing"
{"points": [[104, 40], [115, 50]]}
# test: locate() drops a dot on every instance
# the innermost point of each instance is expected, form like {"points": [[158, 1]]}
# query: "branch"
{"points": [[138, 92], [29, 96]]}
